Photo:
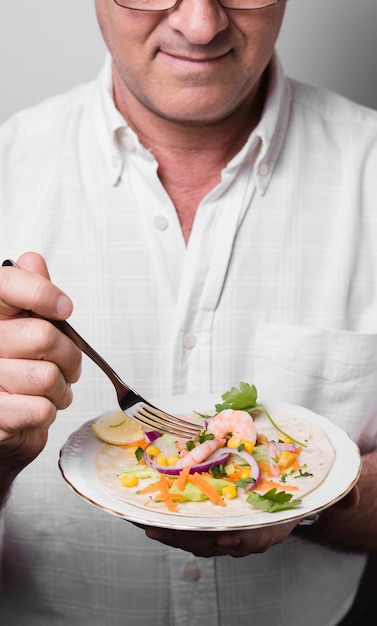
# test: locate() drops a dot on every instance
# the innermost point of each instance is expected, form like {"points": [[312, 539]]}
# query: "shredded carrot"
{"points": [[264, 485], [233, 478], [163, 493], [181, 480], [141, 443], [204, 486], [157, 486], [295, 464]]}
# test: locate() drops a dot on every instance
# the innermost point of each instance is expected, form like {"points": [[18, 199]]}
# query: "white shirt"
{"points": [[277, 286]]}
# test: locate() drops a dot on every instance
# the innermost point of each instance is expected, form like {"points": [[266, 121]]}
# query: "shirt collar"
{"points": [[262, 148], [113, 131]]}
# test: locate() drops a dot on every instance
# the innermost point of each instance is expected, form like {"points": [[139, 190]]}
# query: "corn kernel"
{"points": [[284, 438], [173, 460], [245, 474], [248, 445], [236, 442], [261, 438], [129, 480], [286, 459], [233, 442], [152, 450], [229, 492], [161, 459]]}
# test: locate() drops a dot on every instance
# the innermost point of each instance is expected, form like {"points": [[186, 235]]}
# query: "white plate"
{"points": [[78, 471]]}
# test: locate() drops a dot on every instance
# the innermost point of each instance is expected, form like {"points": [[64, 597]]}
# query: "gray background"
{"points": [[47, 46]]}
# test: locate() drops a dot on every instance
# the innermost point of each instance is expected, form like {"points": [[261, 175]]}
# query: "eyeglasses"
{"points": [[166, 5]]}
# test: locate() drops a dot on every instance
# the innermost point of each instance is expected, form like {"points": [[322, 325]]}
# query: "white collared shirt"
{"points": [[277, 286]]}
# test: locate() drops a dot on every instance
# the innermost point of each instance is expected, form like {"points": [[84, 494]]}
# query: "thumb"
{"points": [[350, 500], [29, 288], [33, 262]]}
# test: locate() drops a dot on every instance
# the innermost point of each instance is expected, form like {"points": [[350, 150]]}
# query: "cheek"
{"points": [[258, 42], [122, 29]]}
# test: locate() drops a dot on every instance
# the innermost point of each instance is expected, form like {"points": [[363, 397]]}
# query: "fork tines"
{"points": [[166, 423]]}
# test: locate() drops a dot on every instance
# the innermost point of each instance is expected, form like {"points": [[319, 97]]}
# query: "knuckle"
{"points": [[49, 376], [75, 366], [27, 413], [46, 412], [66, 398], [52, 385], [43, 336]]}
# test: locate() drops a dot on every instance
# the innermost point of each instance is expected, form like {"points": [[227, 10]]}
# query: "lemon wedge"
{"points": [[117, 428]]}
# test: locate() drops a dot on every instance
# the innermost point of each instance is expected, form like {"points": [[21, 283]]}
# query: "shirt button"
{"points": [[263, 169], [160, 222], [129, 143], [189, 341], [191, 572]]}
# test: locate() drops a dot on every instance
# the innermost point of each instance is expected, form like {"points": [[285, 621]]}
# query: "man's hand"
{"points": [[233, 543], [38, 364], [236, 543]]}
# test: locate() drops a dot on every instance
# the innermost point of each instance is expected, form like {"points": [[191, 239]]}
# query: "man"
{"points": [[217, 224]]}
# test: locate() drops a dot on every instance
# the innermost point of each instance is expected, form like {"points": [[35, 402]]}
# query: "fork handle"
{"points": [[80, 342]]}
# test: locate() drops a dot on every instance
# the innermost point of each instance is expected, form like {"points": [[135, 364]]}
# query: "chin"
{"points": [[194, 114]]}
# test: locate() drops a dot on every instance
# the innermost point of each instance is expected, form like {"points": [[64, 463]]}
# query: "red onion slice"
{"points": [[152, 435], [216, 458], [274, 449], [255, 472]]}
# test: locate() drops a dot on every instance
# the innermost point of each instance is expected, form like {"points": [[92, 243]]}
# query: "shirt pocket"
{"points": [[331, 372]]}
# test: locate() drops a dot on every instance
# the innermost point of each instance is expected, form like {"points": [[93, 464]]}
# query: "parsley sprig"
{"points": [[245, 399], [273, 501]]}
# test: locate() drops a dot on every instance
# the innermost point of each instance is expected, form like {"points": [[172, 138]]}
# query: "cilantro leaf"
{"points": [[273, 501], [245, 482], [139, 453], [217, 471], [302, 474], [245, 399], [204, 436]]}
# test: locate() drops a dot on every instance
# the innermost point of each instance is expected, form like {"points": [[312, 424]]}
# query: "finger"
{"points": [[256, 540], [205, 545], [244, 542], [21, 289], [350, 500], [228, 540], [198, 543], [30, 338], [35, 378], [33, 262], [24, 413]]}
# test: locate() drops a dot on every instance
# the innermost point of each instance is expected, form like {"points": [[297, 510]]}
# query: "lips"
{"points": [[196, 59], [192, 60]]}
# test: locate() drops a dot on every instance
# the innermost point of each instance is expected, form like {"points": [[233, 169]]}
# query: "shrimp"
{"points": [[230, 423], [200, 453]]}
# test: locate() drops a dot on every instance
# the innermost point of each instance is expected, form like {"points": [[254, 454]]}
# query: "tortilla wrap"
{"points": [[316, 459]]}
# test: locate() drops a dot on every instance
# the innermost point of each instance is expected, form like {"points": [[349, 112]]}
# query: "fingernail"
{"points": [[63, 306], [234, 543], [231, 543]]}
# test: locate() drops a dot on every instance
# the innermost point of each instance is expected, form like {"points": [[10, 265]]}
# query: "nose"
{"points": [[199, 21]]}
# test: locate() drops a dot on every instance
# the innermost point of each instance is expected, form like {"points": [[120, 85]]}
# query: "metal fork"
{"points": [[134, 405]]}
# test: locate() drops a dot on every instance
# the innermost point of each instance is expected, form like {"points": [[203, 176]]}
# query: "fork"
{"points": [[133, 404]]}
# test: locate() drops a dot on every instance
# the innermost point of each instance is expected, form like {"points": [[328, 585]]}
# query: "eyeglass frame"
{"points": [[270, 4]]}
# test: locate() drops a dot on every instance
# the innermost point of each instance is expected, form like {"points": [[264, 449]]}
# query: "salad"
{"points": [[245, 459]]}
